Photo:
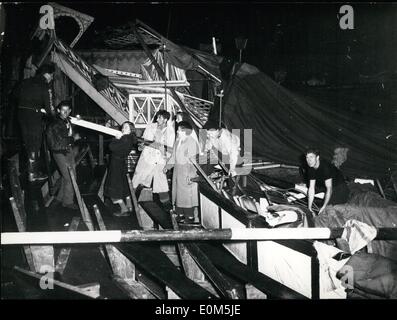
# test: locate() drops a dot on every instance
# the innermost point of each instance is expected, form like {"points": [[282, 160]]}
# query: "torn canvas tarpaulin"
{"points": [[369, 208], [284, 124]]}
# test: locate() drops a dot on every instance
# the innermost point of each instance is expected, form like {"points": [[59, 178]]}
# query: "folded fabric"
{"points": [[329, 267], [358, 234]]}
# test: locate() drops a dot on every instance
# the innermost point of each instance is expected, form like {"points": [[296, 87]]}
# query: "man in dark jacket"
{"points": [[60, 141], [35, 101]]}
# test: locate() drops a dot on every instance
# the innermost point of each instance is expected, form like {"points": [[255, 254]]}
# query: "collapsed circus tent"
{"points": [[284, 124]]}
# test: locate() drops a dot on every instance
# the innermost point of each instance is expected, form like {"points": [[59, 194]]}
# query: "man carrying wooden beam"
{"points": [[60, 141]]}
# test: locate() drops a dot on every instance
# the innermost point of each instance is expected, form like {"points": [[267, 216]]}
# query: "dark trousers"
{"points": [[31, 125], [340, 194], [66, 192]]}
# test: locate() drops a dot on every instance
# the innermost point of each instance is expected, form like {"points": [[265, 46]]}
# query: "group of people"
{"points": [[38, 119], [166, 145]]}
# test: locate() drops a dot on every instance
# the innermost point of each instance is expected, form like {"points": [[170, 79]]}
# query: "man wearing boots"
{"points": [[60, 141], [34, 102]]}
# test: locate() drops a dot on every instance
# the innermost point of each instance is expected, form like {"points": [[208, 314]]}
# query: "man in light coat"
{"points": [[184, 191]]}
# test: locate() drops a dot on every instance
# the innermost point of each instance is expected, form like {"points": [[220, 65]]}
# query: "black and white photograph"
{"points": [[200, 155]]}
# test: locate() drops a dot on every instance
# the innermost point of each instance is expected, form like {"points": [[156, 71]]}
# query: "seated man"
{"points": [[324, 174], [154, 156], [223, 141], [60, 141]]}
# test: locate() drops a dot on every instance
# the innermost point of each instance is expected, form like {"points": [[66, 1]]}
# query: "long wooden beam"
{"points": [[94, 126], [235, 234]]}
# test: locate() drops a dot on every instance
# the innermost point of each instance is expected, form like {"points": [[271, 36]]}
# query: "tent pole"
{"points": [[161, 73]]}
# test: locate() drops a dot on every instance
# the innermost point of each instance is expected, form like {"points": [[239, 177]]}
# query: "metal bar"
{"points": [[115, 236]]}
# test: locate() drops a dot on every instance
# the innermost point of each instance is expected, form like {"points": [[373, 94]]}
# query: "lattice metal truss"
{"points": [[131, 39], [111, 93], [198, 108], [144, 107]]}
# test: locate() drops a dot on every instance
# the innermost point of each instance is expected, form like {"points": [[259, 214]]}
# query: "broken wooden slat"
{"points": [[217, 279], [100, 155], [22, 227], [134, 200], [63, 256], [83, 209], [171, 294], [92, 289], [393, 181], [253, 293], [121, 266], [134, 289], [100, 191], [51, 283], [380, 188]]}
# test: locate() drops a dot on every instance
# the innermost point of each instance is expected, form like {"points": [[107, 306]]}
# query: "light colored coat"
{"points": [[184, 192], [152, 161]]}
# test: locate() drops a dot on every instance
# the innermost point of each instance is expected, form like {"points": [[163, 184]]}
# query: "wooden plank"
{"points": [[58, 286], [154, 262], [199, 169], [171, 294], [380, 188], [43, 258], [91, 157], [45, 190], [63, 256], [253, 293], [94, 126], [394, 183], [121, 266], [189, 266], [22, 227], [152, 265], [100, 155], [134, 289], [92, 289], [229, 264], [83, 209], [100, 191], [225, 287], [134, 200]]}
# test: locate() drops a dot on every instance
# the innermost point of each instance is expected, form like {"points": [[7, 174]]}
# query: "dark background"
{"points": [[346, 69], [303, 39]]}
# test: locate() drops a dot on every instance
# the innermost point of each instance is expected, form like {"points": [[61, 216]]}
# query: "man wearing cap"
{"points": [[35, 101]]}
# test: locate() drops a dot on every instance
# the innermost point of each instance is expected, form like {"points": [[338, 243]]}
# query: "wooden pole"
{"points": [[115, 236]]}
